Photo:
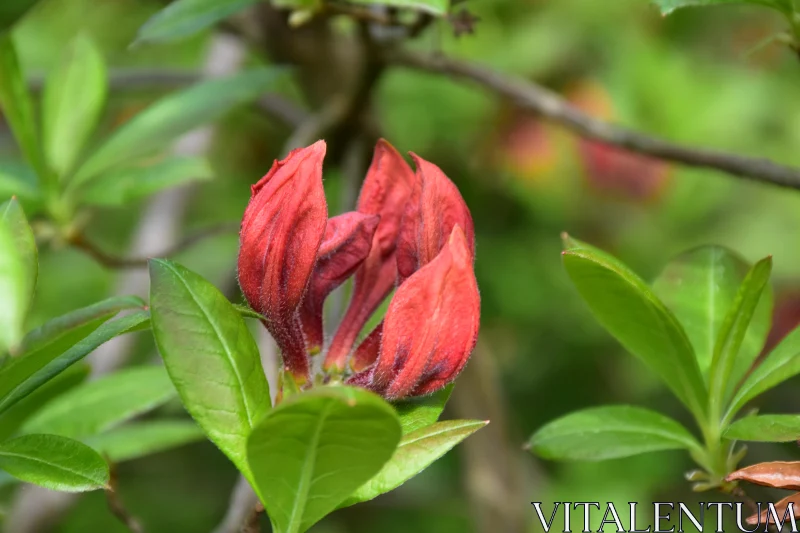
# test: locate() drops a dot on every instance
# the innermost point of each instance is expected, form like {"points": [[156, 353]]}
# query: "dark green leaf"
{"points": [[152, 129], [728, 364], [13, 10], [13, 418], [781, 364], [629, 310], [104, 403], [765, 428], [13, 288], [609, 432], [416, 452], [54, 462], [183, 18], [668, 6], [417, 413], [700, 287], [13, 216], [139, 439], [72, 102], [17, 106], [62, 332], [131, 184], [210, 356], [315, 449], [25, 374]]}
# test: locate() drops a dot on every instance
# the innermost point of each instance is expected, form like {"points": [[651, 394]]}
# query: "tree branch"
{"points": [[551, 106], [122, 263]]}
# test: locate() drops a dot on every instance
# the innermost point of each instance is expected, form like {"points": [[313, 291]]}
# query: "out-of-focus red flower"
{"points": [[292, 257]]}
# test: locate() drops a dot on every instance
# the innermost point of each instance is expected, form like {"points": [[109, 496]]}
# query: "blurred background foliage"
{"points": [[689, 78]]}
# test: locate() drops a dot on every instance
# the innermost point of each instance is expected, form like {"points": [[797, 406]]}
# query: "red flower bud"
{"points": [[385, 192], [430, 328], [433, 210], [347, 242], [282, 229]]}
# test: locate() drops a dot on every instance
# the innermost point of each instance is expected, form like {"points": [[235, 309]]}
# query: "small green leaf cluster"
{"points": [[184, 18], [315, 450], [700, 327], [69, 171], [55, 428]]}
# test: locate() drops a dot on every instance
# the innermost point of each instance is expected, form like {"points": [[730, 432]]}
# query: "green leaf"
{"points": [[728, 364], [315, 449], [246, 312], [668, 6], [781, 364], [152, 129], [14, 218], [632, 313], [17, 179], [609, 432], [104, 403], [17, 106], [15, 417], [25, 374], [62, 332], [211, 357], [139, 439], [416, 452], [13, 10], [13, 288], [72, 102], [699, 287], [131, 184], [183, 18], [54, 462], [417, 413], [765, 428]]}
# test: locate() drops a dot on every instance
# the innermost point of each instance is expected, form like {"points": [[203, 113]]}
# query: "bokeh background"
{"points": [[691, 77]]}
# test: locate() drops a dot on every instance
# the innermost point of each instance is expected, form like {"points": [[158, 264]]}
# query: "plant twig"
{"points": [[251, 523], [551, 106], [118, 508], [122, 263]]}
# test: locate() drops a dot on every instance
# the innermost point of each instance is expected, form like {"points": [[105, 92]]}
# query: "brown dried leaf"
{"points": [[777, 474], [780, 508]]}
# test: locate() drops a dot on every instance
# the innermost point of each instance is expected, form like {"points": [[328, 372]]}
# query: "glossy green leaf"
{"points": [[668, 6], [14, 218], [417, 413], [54, 462], [609, 432], [13, 419], [416, 452], [315, 449], [13, 288], [632, 313], [127, 185], [59, 334], [210, 355], [699, 287], [11, 11], [139, 439], [765, 428], [152, 129], [17, 106], [104, 403], [729, 364], [73, 100], [25, 374], [782, 363], [183, 18]]}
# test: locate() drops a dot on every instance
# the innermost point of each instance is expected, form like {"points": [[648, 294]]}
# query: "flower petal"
{"points": [[347, 242], [282, 229], [386, 190]]}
